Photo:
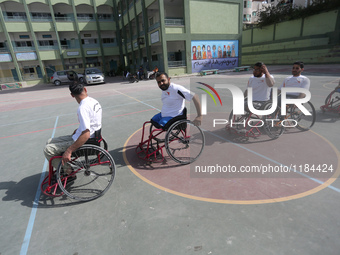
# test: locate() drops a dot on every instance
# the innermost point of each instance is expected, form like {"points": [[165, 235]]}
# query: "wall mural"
{"points": [[206, 55], [16, 85]]}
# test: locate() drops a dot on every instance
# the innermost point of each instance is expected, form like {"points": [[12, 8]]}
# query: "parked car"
{"points": [[93, 76], [66, 76]]}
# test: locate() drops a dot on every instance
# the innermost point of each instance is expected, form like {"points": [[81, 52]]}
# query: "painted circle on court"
{"points": [[302, 151]]}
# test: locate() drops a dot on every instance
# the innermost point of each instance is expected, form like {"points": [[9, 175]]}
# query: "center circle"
{"points": [[316, 167]]}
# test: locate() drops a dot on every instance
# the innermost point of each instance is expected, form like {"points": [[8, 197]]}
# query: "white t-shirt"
{"points": [[89, 116], [261, 91], [297, 82], [173, 101]]}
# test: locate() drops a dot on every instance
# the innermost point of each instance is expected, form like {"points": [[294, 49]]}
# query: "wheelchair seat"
{"points": [[96, 139], [183, 116]]}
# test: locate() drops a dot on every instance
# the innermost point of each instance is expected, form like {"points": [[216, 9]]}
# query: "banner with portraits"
{"points": [[206, 55]]}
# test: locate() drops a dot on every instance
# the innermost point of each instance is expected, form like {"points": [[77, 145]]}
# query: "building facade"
{"points": [[38, 37]]}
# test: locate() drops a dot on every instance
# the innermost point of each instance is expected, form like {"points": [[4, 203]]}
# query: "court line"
{"points": [[29, 229], [34, 120], [276, 162], [254, 152]]}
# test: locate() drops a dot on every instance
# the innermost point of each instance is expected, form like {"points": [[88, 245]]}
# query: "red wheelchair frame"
{"points": [[181, 135], [55, 183], [332, 102], [257, 121]]}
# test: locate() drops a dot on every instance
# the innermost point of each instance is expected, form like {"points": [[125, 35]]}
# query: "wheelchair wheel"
{"points": [[184, 142], [304, 122], [333, 100], [88, 175], [273, 128], [238, 121]]}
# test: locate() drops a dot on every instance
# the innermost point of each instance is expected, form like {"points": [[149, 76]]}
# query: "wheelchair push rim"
{"points": [[88, 175], [184, 142]]}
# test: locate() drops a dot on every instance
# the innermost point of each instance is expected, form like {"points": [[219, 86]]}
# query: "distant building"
{"points": [[178, 36], [252, 7]]}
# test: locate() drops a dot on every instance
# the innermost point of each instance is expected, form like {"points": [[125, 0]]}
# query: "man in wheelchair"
{"points": [[261, 82], [90, 119], [296, 81], [173, 99]]}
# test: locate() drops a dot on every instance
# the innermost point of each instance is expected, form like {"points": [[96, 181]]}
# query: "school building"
{"points": [[38, 37]]}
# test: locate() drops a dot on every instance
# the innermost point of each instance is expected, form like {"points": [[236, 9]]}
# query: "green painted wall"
{"points": [[288, 29], [313, 40], [320, 24], [208, 17]]}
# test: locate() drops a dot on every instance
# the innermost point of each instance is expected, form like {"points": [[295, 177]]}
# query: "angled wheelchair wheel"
{"points": [[238, 121], [273, 122], [184, 142], [88, 175], [333, 99], [304, 122]]}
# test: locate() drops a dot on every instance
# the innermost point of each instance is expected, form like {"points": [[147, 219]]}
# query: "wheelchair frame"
{"points": [[151, 148], [254, 130], [88, 156], [332, 102]]}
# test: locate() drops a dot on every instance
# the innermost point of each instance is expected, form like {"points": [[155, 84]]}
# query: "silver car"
{"points": [[93, 76], [65, 76]]}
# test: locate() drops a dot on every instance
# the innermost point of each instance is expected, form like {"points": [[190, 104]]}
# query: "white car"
{"points": [[93, 76]]}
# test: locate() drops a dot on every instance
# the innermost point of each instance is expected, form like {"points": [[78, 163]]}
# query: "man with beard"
{"points": [[261, 82], [296, 81], [173, 99]]}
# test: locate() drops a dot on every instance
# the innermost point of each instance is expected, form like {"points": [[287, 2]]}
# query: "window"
{"points": [[84, 16], [28, 70], [108, 40], [16, 15], [39, 15], [249, 4], [2, 45], [104, 16], [154, 58], [245, 4], [46, 36], [46, 43], [24, 36], [254, 14], [88, 41], [24, 44]]}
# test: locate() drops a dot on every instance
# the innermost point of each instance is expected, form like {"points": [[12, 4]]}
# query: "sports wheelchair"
{"points": [[332, 102], [182, 140], [87, 176], [273, 124], [250, 124]]}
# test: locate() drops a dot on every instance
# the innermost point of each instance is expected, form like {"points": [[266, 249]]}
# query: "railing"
{"points": [[174, 22], [106, 45], [41, 19], [85, 19], [18, 49], [13, 18], [91, 45], [176, 63], [64, 19], [106, 19], [4, 50], [49, 47]]}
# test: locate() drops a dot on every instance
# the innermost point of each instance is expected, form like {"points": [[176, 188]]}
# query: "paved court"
{"points": [[164, 208]]}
